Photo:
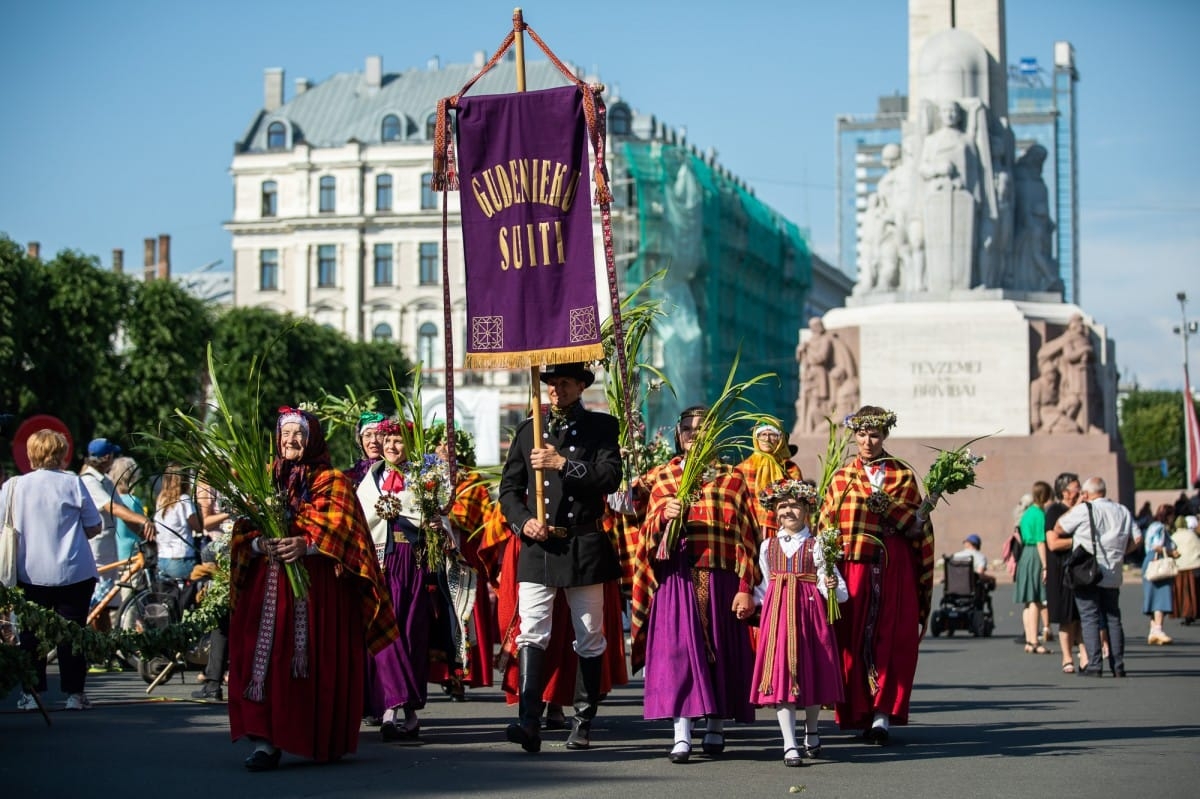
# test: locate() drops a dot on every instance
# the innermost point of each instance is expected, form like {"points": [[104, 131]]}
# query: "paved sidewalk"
{"points": [[987, 721]]}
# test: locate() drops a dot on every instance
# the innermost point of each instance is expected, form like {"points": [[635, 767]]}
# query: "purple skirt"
{"points": [[399, 674], [680, 681], [818, 677]]}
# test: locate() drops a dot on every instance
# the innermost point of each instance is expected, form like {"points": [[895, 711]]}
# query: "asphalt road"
{"points": [[987, 720]]}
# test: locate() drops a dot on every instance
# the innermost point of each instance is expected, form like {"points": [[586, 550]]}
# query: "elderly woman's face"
{"points": [[870, 443], [292, 439], [767, 440], [372, 443], [393, 448]]}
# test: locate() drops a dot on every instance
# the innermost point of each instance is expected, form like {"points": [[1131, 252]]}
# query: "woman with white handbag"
{"points": [[1158, 574]]}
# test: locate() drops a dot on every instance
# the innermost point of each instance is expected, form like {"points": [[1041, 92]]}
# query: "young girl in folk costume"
{"points": [[797, 660]]}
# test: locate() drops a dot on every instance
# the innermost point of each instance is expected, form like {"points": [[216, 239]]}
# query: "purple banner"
{"points": [[526, 201]]}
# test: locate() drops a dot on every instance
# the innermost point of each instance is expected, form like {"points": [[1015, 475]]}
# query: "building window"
{"points": [[429, 263], [268, 270], [382, 332], [391, 128], [383, 264], [326, 266], [431, 126], [276, 136], [429, 199], [383, 193], [270, 198], [328, 194], [620, 121], [426, 344]]}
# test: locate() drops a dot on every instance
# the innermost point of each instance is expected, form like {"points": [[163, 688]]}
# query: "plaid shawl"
{"points": [[749, 471], [469, 512], [721, 533], [331, 520], [492, 538], [845, 507]]}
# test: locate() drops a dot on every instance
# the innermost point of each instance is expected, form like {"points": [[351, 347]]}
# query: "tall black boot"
{"points": [[526, 732], [587, 701]]}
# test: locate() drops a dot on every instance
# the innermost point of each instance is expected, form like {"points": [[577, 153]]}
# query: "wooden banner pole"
{"points": [[535, 371]]}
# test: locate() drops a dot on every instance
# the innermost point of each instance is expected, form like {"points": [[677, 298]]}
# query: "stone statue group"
{"points": [[957, 210]]}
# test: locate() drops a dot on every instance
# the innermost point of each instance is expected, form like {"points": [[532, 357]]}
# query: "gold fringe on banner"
{"points": [[528, 358]]}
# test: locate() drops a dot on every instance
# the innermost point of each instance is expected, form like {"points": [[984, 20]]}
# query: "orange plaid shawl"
{"points": [[845, 507], [332, 523], [721, 534], [765, 516]]}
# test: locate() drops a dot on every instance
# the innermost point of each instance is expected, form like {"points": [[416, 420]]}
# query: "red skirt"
{"points": [[316, 716], [893, 648]]}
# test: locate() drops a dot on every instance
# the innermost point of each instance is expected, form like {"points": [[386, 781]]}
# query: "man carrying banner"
{"points": [[580, 463]]}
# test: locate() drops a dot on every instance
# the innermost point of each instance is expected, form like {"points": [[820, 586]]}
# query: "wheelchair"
{"points": [[966, 601]]}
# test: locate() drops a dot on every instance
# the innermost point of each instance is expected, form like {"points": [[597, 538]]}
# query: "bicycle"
{"points": [[155, 603]]}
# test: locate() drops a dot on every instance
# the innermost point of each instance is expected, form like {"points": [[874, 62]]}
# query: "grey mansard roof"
{"points": [[344, 107]]}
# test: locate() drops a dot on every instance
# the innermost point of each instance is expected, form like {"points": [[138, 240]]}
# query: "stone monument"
{"points": [[957, 321]]}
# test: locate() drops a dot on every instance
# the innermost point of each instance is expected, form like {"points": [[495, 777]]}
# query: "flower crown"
{"points": [[391, 427], [871, 421], [802, 490]]}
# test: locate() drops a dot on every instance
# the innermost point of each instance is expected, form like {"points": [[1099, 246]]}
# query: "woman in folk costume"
{"points": [[370, 445], [296, 665], [887, 542], [398, 675], [690, 603], [769, 463], [797, 660], [461, 648]]}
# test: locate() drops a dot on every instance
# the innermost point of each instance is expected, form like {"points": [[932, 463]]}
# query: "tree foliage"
{"points": [[1152, 430], [113, 356], [300, 361]]}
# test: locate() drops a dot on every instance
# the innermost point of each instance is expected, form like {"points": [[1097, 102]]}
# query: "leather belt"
{"points": [[563, 532]]}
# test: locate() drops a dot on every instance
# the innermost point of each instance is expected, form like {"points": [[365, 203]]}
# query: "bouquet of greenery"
{"points": [[710, 439], [234, 459], [951, 472]]}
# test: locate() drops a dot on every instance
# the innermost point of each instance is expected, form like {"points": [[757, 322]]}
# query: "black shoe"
{"points": [[680, 757], [550, 723], [792, 759], [581, 734], [812, 750], [263, 761], [878, 736], [527, 735], [210, 692], [1119, 673], [713, 748]]}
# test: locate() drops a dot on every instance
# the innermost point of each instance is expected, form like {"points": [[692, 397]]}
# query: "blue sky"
{"points": [[120, 117]]}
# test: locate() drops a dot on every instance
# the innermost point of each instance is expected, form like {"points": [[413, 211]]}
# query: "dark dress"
{"points": [[1060, 600]]}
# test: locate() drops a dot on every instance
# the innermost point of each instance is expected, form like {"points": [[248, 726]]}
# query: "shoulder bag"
{"points": [[8, 541], [1163, 567], [1082, 569]]}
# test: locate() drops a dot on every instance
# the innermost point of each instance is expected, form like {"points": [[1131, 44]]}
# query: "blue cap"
{"points": [[974, 539], [102, 447]]}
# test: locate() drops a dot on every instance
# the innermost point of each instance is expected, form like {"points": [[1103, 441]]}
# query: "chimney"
{"points": [[34, 250], [374, 73], [272, 88], [149, 257], [118, 260], [433, 64], [302, 85], [164, 257], [480, 59]]}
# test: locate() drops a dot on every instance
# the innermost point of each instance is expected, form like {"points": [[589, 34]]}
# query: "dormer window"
{"points": [[391, 129], [276, 136], [620, 121]]}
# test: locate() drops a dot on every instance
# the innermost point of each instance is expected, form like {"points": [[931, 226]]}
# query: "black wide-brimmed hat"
{"points": [[575, 370]]}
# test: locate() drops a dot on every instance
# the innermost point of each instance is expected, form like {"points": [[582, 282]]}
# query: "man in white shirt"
{"points": [[1116, 534], [100, 454]]}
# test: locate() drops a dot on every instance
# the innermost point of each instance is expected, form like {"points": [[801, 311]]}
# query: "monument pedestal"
{"points": [[957, 370]]}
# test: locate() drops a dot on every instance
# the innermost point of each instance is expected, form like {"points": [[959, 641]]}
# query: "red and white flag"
{"points": [[1191, 431]]}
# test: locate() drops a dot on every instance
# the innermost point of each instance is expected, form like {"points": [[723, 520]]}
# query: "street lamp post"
{"points": [[1184, 330]]}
